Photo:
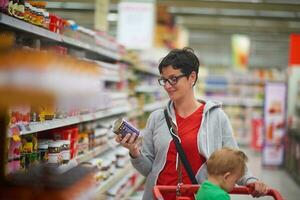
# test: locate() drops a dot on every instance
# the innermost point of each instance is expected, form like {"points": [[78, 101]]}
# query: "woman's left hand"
{"points": [[259, 188]]}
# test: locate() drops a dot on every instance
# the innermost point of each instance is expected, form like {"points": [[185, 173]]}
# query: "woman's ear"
{"points": [[193, 77]]}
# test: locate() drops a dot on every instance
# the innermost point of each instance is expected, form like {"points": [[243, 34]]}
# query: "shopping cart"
{"points": [[192, 189]]}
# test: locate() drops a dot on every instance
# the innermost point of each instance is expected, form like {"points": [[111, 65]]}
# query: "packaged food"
{"points": [[123, 127], [54, 152], [65, 151], [43, 151]]}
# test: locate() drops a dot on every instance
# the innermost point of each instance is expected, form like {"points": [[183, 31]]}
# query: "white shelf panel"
{"points": [[24, 26], [139, 182], [107, 53], [111, 78], [153, 71], [236, 101], [109, 65], [91, 154], [83, 158], [50, 124], [75, 42], [153, 106], [118, 95], [96, 49], [114, 179], [56, 123], [148, 88]]}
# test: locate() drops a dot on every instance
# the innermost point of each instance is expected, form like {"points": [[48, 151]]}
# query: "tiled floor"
{"points": [[275, 178]]}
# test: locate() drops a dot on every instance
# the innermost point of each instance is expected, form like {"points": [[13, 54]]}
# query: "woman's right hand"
{"points": [[131, 142]]}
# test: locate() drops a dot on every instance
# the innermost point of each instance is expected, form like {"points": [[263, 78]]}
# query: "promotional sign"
{"points": [[240, 51], [274, 123], [257, 134], [135, 24], [294, 51]]}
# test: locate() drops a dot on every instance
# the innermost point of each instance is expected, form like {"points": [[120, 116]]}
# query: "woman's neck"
{"points": [[186, 106]]}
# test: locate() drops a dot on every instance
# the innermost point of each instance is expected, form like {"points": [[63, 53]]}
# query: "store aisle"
{"points": [[275, 178]]}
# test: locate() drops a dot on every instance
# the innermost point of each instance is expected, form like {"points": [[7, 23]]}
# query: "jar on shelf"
{"points": [[54, 152], [46, 20], [33, 17], [122, 157], [65, 151], [27, 13], [105, 168], [39, 17], [43, 151], [20, 9]]}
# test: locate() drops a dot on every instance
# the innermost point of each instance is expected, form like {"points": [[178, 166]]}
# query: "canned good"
{"points": [[123, 127]]}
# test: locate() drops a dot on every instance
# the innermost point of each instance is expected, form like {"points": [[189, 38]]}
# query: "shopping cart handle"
{"points": [[248, 190], [242, 190]]}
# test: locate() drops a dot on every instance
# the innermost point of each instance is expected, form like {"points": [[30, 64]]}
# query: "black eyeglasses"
{"points": [[172, 80]]}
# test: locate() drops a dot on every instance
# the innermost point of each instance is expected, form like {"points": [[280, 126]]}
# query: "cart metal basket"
{"points": [[158, 190]]}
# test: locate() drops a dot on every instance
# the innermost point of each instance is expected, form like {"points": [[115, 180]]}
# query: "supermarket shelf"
{"points": [[24, 26], [135, 113], [96, 49], [111, 78], [118, 95], [140, 180], [27, 27], [108, 65], [147, 70], [82, 158], [153, 106], [56, 123], [236, 101], [91, 154], [148, 88], [114, 179]]}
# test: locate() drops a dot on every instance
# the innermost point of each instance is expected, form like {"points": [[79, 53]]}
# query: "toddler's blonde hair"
{"points": [[226, 160]]}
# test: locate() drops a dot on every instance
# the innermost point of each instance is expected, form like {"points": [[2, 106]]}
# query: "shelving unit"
{"points": [[292, 145], [140, 180], [20, 25], [292, 158], [34, 127], [153, 106], [148, 88], [95, 54], [114, 179], [241, 96], [147, 70]]}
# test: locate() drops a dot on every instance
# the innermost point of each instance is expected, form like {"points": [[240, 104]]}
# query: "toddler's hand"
{"points": [[259, 188]]}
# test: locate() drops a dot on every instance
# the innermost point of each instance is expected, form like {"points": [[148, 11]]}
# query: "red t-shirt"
{"points": [[187, 130]]}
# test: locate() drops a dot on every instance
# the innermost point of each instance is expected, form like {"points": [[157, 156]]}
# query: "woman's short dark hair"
{"points": [[183, 59]]}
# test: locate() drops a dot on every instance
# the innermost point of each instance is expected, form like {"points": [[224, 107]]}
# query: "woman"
{"points": [[202, 127]]}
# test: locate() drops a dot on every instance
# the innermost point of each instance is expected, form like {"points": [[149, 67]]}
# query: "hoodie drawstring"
{"points": [[207, 135]]}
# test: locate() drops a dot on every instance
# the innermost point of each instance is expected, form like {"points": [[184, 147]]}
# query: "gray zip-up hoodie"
{"points": [[214, 133]]}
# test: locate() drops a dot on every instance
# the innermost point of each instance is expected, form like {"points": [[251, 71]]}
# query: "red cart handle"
{"points": [[194, 188]]}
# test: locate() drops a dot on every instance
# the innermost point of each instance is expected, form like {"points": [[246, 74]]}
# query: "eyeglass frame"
{"points": [[172, 83]]}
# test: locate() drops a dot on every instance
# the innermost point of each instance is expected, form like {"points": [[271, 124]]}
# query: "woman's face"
{"points": [[181, 85]]}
